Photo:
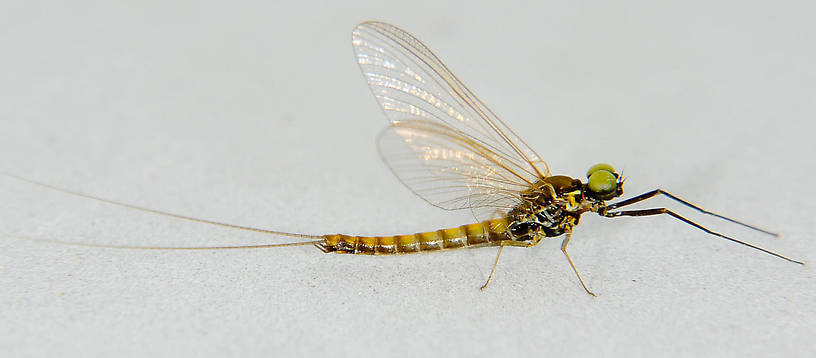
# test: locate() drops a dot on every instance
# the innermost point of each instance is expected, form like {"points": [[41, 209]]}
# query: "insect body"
{"points": [[549, 209], [445, 145], [486, 233]]}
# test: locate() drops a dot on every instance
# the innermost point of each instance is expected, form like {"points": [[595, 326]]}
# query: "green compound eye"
{"points": [[600, 166], [602, 182]]}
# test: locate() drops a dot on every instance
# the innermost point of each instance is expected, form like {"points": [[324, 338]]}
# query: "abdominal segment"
{"points": [[485, 233]]}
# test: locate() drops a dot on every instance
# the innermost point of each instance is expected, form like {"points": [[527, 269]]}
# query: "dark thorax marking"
{"points": [[549, 208]]}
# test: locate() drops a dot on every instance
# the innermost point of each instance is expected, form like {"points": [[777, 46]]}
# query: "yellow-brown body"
{"points": [[550, 208], [485, 233]]}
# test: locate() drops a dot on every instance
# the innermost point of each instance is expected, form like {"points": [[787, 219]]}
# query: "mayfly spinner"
{"points": [[447, 147]]}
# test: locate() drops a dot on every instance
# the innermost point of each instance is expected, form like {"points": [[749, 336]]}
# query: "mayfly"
{"points": [[445, 145]]}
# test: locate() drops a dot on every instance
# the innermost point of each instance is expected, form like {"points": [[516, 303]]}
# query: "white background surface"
{"points": [[256, 114]]}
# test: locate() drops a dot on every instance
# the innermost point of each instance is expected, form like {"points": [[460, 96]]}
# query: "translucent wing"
{"points": [[448, 169], [428, 105]]}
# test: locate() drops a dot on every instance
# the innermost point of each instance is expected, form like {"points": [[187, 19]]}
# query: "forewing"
{"points": [[449, 169], [410, 83]]}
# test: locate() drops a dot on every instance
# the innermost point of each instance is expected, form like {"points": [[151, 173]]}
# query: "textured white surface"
{"points": [[256, 114]]}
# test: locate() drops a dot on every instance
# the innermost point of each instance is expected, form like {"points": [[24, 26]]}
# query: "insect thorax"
{"points": [[549, 208]]}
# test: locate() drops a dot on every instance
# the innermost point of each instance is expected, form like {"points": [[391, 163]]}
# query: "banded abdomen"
{"points": [[485, 233]]}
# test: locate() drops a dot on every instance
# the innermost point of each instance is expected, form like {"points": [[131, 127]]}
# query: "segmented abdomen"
{"points": [[485, 233]]}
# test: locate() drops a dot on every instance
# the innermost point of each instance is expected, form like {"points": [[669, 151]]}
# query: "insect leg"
{"points": [[496, 263], [657, 192], [564, 250], [661, 211]]}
